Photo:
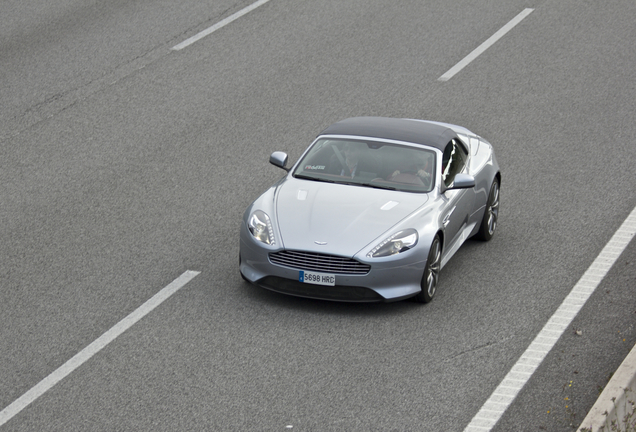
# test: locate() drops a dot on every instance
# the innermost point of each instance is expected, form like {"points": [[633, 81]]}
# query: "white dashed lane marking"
{"points": [[505, 393], [218, 25], [97, 345], [484, 46]]}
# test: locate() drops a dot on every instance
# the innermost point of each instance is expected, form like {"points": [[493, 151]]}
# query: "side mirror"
{"points": [[279, 159], [462, 181]]}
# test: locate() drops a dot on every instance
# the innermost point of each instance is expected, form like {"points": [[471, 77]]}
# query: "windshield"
{"points": [[370, 164]]}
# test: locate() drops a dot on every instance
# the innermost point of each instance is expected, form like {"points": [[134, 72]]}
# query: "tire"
{"points": [[491, 215], [430, 279]]}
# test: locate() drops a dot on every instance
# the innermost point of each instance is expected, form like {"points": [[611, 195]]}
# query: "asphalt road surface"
{"points": [[125, 163]]}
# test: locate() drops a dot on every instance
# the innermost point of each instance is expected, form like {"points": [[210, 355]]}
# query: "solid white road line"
{"points": [[92, 349], [530, 360], [218, 25], [484, 46]]}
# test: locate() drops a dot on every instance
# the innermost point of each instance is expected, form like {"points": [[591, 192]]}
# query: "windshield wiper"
{"points": [[376, 186], [306, 177]]}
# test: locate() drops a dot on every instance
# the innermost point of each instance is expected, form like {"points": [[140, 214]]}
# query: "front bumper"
{"points": [[389, 279]]}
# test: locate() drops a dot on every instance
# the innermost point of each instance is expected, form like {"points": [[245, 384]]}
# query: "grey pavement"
{"points": [[124, 164]]}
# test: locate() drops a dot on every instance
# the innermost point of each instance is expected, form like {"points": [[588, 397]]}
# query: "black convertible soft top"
{"points": [[412, 131]]}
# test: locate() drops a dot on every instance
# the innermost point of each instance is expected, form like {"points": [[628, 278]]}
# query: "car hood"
{"points": [[338, 219]]}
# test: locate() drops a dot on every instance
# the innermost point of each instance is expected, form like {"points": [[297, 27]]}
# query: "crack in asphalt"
{"points": [[478, 348]]}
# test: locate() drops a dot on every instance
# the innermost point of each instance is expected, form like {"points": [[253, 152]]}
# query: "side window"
{"points": [[453, 161]]}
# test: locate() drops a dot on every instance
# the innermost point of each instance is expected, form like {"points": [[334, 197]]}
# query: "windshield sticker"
{"points": [[314, 167]]}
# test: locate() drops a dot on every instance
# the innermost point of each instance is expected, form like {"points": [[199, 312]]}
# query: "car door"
{"points": [[458, 203]]}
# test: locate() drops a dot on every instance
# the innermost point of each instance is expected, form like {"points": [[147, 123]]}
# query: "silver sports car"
{"points": [[372, 211]]}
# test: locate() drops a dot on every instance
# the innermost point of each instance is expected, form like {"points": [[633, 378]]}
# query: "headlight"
{"points": [[399, 242], [261, 227]]}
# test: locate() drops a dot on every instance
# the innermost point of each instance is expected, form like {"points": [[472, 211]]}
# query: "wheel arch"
{"points": [[440, 233]]}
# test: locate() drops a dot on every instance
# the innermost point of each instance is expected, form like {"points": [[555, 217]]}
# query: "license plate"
{"points": [[317, 278]]}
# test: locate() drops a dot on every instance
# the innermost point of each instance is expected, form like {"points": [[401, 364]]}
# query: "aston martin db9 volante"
{"points": [[372, 211]]}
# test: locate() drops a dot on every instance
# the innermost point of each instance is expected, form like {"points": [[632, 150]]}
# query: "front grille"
{"points": [[318, 262]]}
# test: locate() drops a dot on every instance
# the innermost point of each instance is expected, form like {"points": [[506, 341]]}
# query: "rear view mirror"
{"points": [[279, 159], [462, 181]]}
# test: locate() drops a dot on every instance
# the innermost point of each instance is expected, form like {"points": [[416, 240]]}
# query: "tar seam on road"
{"points": [[218, 25], [484, 46], [518, 376], [80, 358]]}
